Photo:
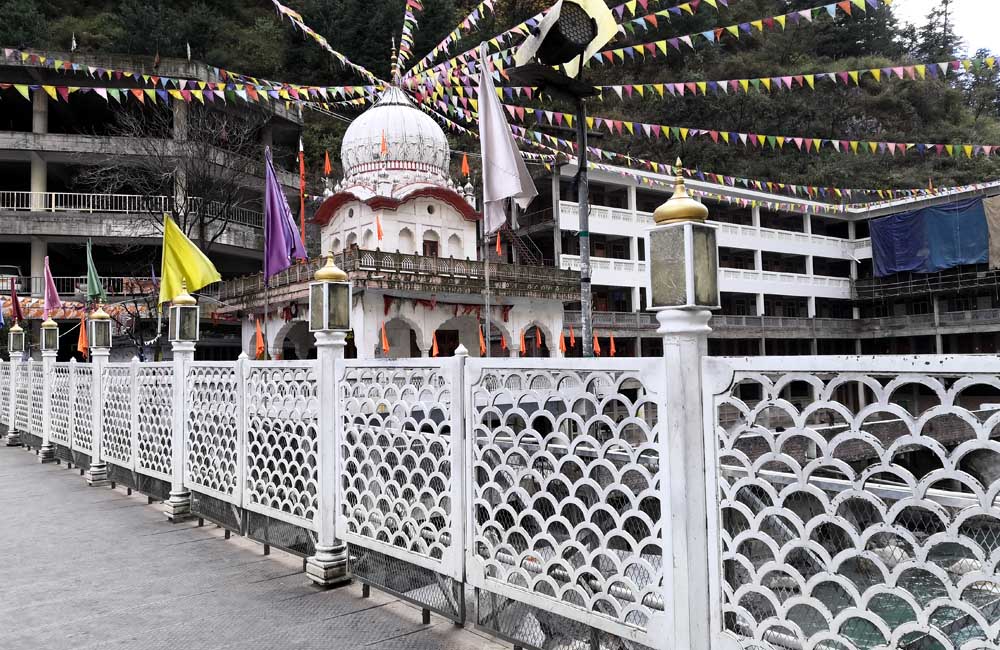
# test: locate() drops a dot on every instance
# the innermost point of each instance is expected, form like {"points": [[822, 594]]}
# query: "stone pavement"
{"points": [[84, 567]]}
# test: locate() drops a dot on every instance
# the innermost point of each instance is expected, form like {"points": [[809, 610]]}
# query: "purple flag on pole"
{"points": [[52, 302], [281, 244]]}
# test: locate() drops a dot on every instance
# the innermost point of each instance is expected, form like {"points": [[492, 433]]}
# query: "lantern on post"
{"points": [[330, 299], [99, 329], [15, 340], [684, 257], [50, 336], [185, 324]]}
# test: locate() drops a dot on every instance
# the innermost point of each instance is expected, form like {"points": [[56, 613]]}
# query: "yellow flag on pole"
{"points": [[182, 261]]}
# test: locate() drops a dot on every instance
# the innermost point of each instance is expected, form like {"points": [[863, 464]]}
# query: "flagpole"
{"points": [[267, 309], [489, 331]]}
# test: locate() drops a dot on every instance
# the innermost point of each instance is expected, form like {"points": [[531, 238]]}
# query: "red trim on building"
{"points": [[451, 197]]}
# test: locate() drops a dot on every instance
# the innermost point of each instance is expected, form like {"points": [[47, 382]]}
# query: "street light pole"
{"points": [[583, 201]]}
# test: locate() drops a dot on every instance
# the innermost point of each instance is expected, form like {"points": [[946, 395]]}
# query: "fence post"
{"points": [[328, 568], [71, 424], [179, 503], [47, 453], [97, 473], [13, 440], [683, 287]]}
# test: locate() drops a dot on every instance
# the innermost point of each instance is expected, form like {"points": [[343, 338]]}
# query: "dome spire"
{"points": [[395, 63]]}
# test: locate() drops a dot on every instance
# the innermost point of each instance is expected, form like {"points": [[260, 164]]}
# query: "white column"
{"points": [[47, 453], [556, 225], [39, 112], [807, 223], [39, 182], [760, 304], [632, 202], [685, 344], [328, 568], [97, 473], [39, 249], [178, 504], [755, 216]]}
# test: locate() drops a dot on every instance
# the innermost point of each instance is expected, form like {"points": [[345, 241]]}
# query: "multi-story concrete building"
{"points": [[790, 283], [59, 129]]}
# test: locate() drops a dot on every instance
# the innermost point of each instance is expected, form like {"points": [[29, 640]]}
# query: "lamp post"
{"points": [[329, 321], [50, 348], [15, 342], [184, 329], [99, 344], [683, 287]]}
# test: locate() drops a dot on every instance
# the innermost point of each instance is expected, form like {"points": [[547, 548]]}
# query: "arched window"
{"points": [[431, 244], [352, 240], [368, 240], [455, 246], [406, 242]]}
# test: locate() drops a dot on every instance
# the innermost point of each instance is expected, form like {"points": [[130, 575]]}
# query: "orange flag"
{"points": [[327, 167], [82, 346], [538, 338], [434, 345], [562, 342], [259, 350], [612, 349], [597, 346], [572, 337], [385, 146], [378, 227], [503, 342], [499, 250], [465, 165], [385, 341], [482, 342], [524, 348]]}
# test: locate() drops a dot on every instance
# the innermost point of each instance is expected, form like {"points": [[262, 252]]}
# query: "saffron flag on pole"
{"points": [[327, 167], [611, 348], [378, 228], [302, 192], [385, 341], [82, 346], [572, 337], [182, 263], [505, 176], [16, 314], [503, 342], [434, 344], [465, 165], [562, 342], [524, 348], [482, 342], [499, 249], [597, 346], [52, 302], [259, 348], [95, 289], [280, 242], [538, 338]]}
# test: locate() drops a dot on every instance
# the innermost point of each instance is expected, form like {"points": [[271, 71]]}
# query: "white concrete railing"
{"points": [[571, 489], [784, 284], [608, 270], [135, 204], [76, 285], [618, 221]]}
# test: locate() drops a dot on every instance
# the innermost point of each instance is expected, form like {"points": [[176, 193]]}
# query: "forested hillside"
{"points": [[249, 37]]}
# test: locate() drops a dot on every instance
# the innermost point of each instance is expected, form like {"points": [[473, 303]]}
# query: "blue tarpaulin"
{"points": [[931, 239]]}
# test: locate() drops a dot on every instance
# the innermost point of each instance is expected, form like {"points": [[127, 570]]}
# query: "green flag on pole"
{"points": [[95, 290]]}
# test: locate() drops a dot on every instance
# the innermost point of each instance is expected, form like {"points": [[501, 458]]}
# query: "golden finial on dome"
{"points": [[330, 272], [49, 324], [680, 207], [100, 314], [16, 328], [184, 299]]}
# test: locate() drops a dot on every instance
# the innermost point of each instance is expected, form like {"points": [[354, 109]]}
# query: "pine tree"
{"points": [[936, 39]]}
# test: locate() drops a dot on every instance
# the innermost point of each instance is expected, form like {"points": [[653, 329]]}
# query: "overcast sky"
{"points": [[976, 21]]}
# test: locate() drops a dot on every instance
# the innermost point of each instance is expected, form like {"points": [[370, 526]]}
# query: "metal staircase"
{"points": [[527, 251]]}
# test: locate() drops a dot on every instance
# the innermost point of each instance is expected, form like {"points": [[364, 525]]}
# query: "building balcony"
{"points": [[609, 271], [784, 284], [945, 282], [75, 287], [109, 216], [384, 271]]}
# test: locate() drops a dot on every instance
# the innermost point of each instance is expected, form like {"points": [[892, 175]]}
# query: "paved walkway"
{"points": [[92, 568]]}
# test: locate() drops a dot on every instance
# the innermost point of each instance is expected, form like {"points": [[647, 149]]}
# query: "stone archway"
{"points": [[291, 341], [457, 330], [538, 341], [407, 244], [404, 337], [455, 246]]}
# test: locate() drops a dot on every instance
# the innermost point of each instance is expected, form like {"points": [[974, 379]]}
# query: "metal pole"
{"points": [[583, 198]]}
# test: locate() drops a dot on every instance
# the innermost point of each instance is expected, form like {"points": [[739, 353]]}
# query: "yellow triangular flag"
{"points": [[182, 262]]}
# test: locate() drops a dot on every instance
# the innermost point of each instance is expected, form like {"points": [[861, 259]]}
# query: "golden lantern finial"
{"points": [[680, 207], [330, 272], [100, 314], [184, 299]]}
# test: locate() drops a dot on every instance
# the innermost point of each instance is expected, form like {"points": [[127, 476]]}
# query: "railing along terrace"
{"points": [[134, 204], [661, 502], [117, 286], [380, 265], [942, 282]]}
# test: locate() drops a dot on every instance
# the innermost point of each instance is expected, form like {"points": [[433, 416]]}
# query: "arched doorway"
{"points": [[536, 342]]}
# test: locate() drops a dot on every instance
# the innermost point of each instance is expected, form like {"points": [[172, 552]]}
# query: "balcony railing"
{"points": [[76, 286], [136, 204], [572, 262], [926, 284], [374, 266]]}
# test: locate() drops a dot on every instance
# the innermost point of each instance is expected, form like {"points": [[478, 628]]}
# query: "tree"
{"points": [[982, 88], [201, 158], [23, 24], [936, 39]]}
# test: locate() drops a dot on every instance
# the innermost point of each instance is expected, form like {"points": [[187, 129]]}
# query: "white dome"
{"points": [[415, 143]]}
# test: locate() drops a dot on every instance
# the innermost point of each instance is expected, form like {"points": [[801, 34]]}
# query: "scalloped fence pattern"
{"points": [[5, 371], [565, 490], [858, 509]]}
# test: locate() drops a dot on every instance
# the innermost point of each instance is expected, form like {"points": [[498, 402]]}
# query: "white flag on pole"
{"points": [[505, 176]]}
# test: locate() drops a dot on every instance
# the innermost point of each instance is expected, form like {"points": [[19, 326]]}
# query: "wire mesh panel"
{"points": [[116, 418], [155, 385], [282, 441], [857, 500], [400, 487], [22, 414], [5, 381], [83, 424], [566, 499], [61, 430], [37, 397], [214, 431]]}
